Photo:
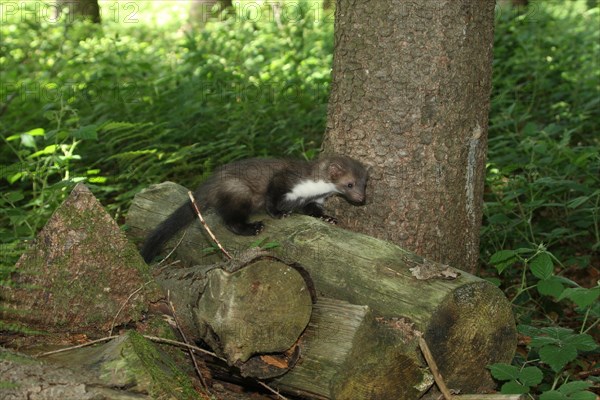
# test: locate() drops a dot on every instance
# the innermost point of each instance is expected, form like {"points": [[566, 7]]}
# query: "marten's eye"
{"points": [[350, 185]]}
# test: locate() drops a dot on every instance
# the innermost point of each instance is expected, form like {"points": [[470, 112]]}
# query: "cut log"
{"points": [[261, 308], [348, 353], [466, 321]]}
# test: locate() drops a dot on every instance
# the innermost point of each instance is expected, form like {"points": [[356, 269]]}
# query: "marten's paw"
{"points": [[278, 214], [258, 227], [329, 219], [247, 229]]}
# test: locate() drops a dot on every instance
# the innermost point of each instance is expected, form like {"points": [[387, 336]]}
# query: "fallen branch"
{"points": [[104, 339], [212, 236], [437, 376], [190, 351], [112, 326]]}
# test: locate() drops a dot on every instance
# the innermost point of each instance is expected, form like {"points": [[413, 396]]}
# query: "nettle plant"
{"points": [[42, 171], [552, 352]]}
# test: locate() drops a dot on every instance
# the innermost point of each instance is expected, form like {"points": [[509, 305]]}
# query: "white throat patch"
{"points": [[310, 189]]}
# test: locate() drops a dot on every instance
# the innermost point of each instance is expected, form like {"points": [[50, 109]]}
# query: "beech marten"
{"points": [[241, 188]]}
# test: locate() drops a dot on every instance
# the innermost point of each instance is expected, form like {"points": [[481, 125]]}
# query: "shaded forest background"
{"points": [[151, 95]]}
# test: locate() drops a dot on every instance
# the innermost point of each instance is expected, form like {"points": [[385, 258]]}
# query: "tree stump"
{"points": [[80, 276]]}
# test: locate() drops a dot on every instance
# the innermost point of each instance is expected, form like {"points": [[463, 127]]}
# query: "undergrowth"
{"points": [[541, 230]]}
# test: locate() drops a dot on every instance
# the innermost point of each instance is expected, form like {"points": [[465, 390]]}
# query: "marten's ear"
{"points": [[335, 171]]}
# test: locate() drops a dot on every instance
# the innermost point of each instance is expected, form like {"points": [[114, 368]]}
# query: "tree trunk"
{"points": [[79, 9], [467, 322], [520, 3], [203, 10], [410, 97]]}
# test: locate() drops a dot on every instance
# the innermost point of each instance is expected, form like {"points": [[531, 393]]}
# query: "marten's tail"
{"points": [[180, 218]]}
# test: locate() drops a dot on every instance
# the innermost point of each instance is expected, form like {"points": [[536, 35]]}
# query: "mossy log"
{"points": [[466, 321], [134, 365], [23, 377]]}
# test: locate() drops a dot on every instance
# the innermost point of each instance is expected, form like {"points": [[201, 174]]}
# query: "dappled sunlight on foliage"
{"points": [[158, 101]]}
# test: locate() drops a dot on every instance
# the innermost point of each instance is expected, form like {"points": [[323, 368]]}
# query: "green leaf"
{"points": [[583, 396], [504, 372], [573, 387], [531, 376], [513, 387], [550, 287], [540, 341], [583, 297], [528, 330], [13, 197], [503, 259], [270, 245], [557, 332], [575, 390], [553, 395], [88, 132], [27, 140], [98, 179], [36, 132], [541, 266], [558, 356], [493, 280], [12, 179], [46, 151], [582, 342], [577, 201], [12, 138]]}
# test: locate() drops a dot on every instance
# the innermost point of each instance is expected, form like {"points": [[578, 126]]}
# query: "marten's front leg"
{"points": [[315, 209], [275, 202]]}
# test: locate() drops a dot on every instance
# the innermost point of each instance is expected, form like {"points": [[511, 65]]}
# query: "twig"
{"points": [[149, 337], [270, 389], [212, 236], [172, 250], [159, 270], [190, 351], [185, 345], [434, 368], [105, 339], [112, 326]]}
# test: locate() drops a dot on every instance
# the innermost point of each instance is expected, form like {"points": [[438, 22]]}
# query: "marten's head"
{"points": [[349, 177]]}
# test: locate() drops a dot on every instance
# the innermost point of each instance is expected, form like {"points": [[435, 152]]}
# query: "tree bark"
{"points": [[202, 11], [83, 9], [410, 97], [466, 321]]}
